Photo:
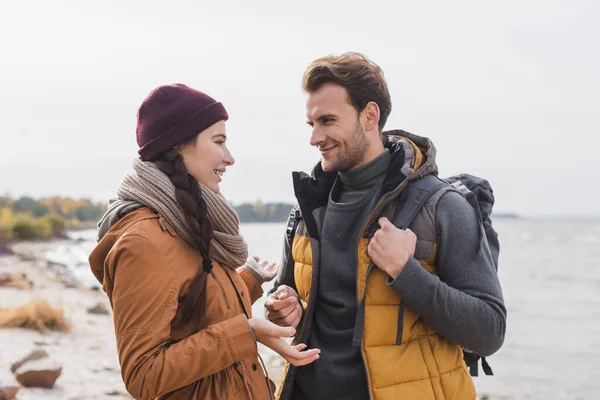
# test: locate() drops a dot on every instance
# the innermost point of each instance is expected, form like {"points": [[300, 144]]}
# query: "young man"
{"points": [[390, 308]]}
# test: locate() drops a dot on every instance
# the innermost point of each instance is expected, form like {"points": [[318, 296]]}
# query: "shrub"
{"points": [[24, 227]]}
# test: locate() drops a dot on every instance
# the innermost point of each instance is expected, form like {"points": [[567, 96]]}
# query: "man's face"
{"points": [[336, 129]]}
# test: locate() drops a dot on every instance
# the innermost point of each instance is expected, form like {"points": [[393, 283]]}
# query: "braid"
{"points": [[189, 198]]}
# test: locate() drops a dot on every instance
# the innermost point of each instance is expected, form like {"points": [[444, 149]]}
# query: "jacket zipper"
{"points": [[362, 352], [222, 288], [375, 211]]}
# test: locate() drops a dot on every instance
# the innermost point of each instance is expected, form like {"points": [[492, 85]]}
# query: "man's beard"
{"points": [[354, 153]]}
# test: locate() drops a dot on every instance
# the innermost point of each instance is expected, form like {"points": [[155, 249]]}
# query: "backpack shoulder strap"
{"points": [[417, 194], [468, 194], [295, 216], [287, 265]]}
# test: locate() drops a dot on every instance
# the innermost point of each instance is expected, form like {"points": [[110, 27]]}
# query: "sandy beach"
{"points": [[87, 353]]}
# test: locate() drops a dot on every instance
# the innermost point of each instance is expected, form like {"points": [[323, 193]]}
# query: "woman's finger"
{"points": [[301, 355], [280, 331], [292, 352], [306, 361]]}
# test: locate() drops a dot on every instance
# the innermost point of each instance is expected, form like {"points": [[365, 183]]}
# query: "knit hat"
{"points": [[172, 114]]}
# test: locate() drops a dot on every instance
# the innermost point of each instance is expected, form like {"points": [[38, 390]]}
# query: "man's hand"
{"points": [[391, 247], [283, 307]]}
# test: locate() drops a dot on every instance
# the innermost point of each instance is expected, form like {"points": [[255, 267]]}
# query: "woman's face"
{"points": [[207, 158]]}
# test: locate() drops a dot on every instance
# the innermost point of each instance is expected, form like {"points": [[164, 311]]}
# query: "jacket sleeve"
{"points": [[252, 283], [144, 301], [464, 303]]}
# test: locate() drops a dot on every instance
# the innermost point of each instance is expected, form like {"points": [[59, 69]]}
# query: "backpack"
{"points": [[477, 191]]}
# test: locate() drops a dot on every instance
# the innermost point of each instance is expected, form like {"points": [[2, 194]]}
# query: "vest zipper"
{"points": [[222, 288], [362, 352]]}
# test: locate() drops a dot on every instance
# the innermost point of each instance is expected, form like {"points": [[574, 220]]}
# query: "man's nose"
{"points": [[316, 137]]}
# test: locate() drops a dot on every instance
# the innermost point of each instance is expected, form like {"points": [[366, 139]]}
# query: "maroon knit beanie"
{"points": [[171, 115]]}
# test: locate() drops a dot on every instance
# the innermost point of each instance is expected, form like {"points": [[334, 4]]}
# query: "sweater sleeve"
{"points": [[144, 301], [464, 303]]}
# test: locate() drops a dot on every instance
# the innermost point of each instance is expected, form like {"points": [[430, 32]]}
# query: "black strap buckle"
{"points": [[295, 216]]}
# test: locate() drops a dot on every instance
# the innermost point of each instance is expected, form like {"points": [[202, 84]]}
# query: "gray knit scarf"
{"points": [[148, 185]]}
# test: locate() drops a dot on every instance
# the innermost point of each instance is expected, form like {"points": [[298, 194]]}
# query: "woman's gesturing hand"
{"points": [[273, 336]]}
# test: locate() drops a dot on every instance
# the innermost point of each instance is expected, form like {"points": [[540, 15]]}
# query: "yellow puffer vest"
{"points": [[405, 358], [423, 365]]}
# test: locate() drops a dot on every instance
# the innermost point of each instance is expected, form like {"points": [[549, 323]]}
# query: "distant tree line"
{"points": [[26, 218]]}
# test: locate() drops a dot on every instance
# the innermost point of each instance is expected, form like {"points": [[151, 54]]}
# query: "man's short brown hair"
{"points": [[361, 77]]}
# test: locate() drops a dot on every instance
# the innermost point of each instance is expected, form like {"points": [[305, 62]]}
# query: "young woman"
{"points": [[175, 268]]}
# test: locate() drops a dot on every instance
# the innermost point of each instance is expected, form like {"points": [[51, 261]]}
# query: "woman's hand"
{"points": [[263, 271], [273, 336]]}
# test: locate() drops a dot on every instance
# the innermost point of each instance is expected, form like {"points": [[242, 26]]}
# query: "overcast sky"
{"points": [[506, 90]]}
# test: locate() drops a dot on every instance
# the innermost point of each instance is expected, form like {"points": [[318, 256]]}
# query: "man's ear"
{"points": [[370, 116]]}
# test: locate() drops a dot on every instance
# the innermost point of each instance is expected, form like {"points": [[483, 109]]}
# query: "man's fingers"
{"points": [[296, 321], [286, 312], [373, 248], [384, 223], [283, 313], [291, 319], [274, 303], [296, 315], [281, 292], [277, 305], [284, 291], [288, 319], [281, 295]]}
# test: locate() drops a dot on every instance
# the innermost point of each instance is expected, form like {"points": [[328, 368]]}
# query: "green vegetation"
{"points": [[27, 219]]}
